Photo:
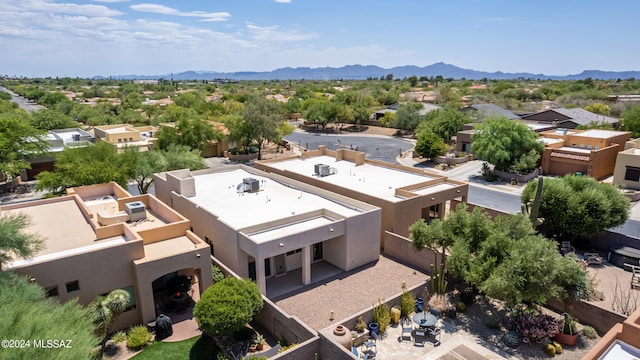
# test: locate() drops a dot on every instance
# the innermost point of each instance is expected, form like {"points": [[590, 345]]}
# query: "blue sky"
{"points": [[152, 37]]}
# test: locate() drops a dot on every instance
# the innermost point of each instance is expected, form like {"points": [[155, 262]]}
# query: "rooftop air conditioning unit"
{"points": [[136, 211], [324, 170], [75, 137], [251, 184], [316, 169]]}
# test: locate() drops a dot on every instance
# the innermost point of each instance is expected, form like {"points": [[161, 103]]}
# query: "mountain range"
{"points": [[363, 72]]}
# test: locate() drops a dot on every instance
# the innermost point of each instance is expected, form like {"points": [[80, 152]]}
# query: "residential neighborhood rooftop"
{"points": [[76, 235], [217, 193], [375, 180]]}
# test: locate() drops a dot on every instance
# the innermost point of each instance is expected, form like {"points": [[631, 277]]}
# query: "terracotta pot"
{"points": [[566, 339]]}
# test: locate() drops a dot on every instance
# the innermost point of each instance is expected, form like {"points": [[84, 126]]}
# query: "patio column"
{"points": [[306, 265], [441, 210], [260, 279]]}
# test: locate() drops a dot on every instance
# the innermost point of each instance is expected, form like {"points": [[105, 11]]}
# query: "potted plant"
{"points": [[569, 332], [259, 342]]}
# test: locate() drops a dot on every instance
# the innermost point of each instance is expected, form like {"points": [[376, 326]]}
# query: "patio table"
{"points": [[424, 319]]}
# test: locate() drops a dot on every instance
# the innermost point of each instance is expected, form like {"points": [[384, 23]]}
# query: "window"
{"points": [[51, 291], [73, 286], [317, 251], [132, 298], [632, 173], [206, 239]]}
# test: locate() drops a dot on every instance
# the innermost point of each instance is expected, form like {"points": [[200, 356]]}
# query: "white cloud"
{"points": [[111, 1], [50, 7], [283, 1], [165, 10], [273, 34]]}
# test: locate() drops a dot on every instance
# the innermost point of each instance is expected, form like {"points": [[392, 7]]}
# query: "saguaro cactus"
{"points": [[531, 208]]}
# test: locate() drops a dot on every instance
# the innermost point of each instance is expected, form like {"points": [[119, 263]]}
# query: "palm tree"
{"points": [[105, 311]]}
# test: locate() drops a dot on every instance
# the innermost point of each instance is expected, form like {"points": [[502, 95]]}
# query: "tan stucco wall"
{"points": [[624, 159], [97, 272], [196, 260], [602, 162]]}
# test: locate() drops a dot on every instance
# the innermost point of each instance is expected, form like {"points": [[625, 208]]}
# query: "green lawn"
{"points": [[199, 347]]}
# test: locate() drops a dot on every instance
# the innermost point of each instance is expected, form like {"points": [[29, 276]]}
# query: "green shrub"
{"points": [[589, 332], [138, 337], [119, 337], [217, 274], [360, 324], [381, 316], [493, 322], [407, 304], [460, 307], [227, 306], [285, 348]]}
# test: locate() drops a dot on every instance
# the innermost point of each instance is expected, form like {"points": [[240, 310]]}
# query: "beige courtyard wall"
{"points": [[401, 248]]}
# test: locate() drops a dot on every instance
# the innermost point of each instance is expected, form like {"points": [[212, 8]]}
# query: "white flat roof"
{"points": [[378, 181], [600, 134], [576, 150], [216, 193], [288, 229], [619, 350], [548, 141], [433, 189]]}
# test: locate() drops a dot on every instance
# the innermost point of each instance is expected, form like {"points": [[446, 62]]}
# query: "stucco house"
{"points": [[124, 135], [627, 169], [57, 140], [263, 225], [588, 152], [99, 238], [403, 193]]}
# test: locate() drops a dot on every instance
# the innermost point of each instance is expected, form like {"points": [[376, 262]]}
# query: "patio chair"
{"points": [[635, 277], [435, 333], [406, 333], [566, 248], [419, 337], [593, 258]]}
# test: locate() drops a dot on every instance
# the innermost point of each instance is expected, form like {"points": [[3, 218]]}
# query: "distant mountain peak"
{"points": [[363, 72]]}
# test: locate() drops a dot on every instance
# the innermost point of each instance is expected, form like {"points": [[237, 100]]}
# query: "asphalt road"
{"points": [[376, 147], [494, 199], [22, 102]]}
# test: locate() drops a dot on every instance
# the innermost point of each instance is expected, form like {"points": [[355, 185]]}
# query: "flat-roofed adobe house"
{"points": [[57, 140], [99, 238], [588, 152], [403, 193], [263, 225], [622, 341], [124, 135], [569, 118], [627, 170]]}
